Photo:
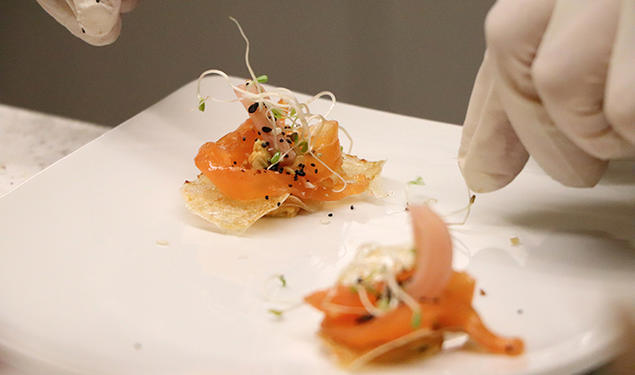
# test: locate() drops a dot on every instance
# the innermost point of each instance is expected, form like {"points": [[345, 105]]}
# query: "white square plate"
{"points": [[103, 271]]}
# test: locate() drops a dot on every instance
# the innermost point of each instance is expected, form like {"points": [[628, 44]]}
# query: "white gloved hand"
{"points": [[557, 83], [97, 22]]}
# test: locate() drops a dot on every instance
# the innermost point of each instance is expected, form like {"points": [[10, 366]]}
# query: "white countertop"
{"points": [[31, 141]]}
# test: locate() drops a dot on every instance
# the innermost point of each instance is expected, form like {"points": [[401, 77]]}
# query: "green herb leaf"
{"points": [[275, 158], [383, 303], [283, 281], [263, 78], [294, 137], [201, 105], [277, 114], [303, 147], [416, 319], [275, 312], [371, 289], [417, 181], [292, 112]]}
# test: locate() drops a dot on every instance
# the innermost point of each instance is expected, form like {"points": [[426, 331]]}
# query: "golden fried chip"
{"points": [[352, 165], [230, 215], [235, 216]]}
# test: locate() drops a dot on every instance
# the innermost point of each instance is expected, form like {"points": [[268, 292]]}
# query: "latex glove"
{"points": [[97, 22], [557, 83]]}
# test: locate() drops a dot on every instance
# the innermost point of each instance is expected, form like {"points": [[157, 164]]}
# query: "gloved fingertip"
{"points": [[480, 181]]}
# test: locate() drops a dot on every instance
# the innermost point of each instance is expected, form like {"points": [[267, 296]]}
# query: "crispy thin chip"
{"points": [[416, 345], [352, 165], [232, 216]]}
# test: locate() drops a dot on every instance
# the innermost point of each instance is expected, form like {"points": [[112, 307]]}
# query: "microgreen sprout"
{"points": [[416, 181], [277, 114], [303, 147], [283, 281], [263, 78], [415, 322], [275, 158], [201, 104], [276, 312]]}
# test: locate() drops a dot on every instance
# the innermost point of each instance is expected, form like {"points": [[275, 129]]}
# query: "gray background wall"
{"points": [[416, 57]]}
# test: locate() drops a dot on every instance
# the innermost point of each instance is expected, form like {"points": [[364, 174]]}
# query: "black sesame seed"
{"points": [[244, 139], [281, 140], [264, 144], [259, 133], [278, 204], [286, 156], [252, 108], [290, 185], [313, 164], [266, 197], [266, 129], [83, 31], [330, 214], [352, 207], [235, 162], [316, 170], [242, 170], [364, 318]]}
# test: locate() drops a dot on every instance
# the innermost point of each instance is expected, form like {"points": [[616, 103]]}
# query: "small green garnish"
{"points": [[275, 312], [303, 146], [263, 78], [341, 148], [416, 319], [383, 303], [294, 137], [283, 281], [292, 112], [275, 158], [371, 289], [417, 181], [277, 114], [201, 105]]}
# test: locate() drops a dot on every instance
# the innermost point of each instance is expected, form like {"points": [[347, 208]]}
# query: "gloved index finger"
{"points": [[490, 155]]}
